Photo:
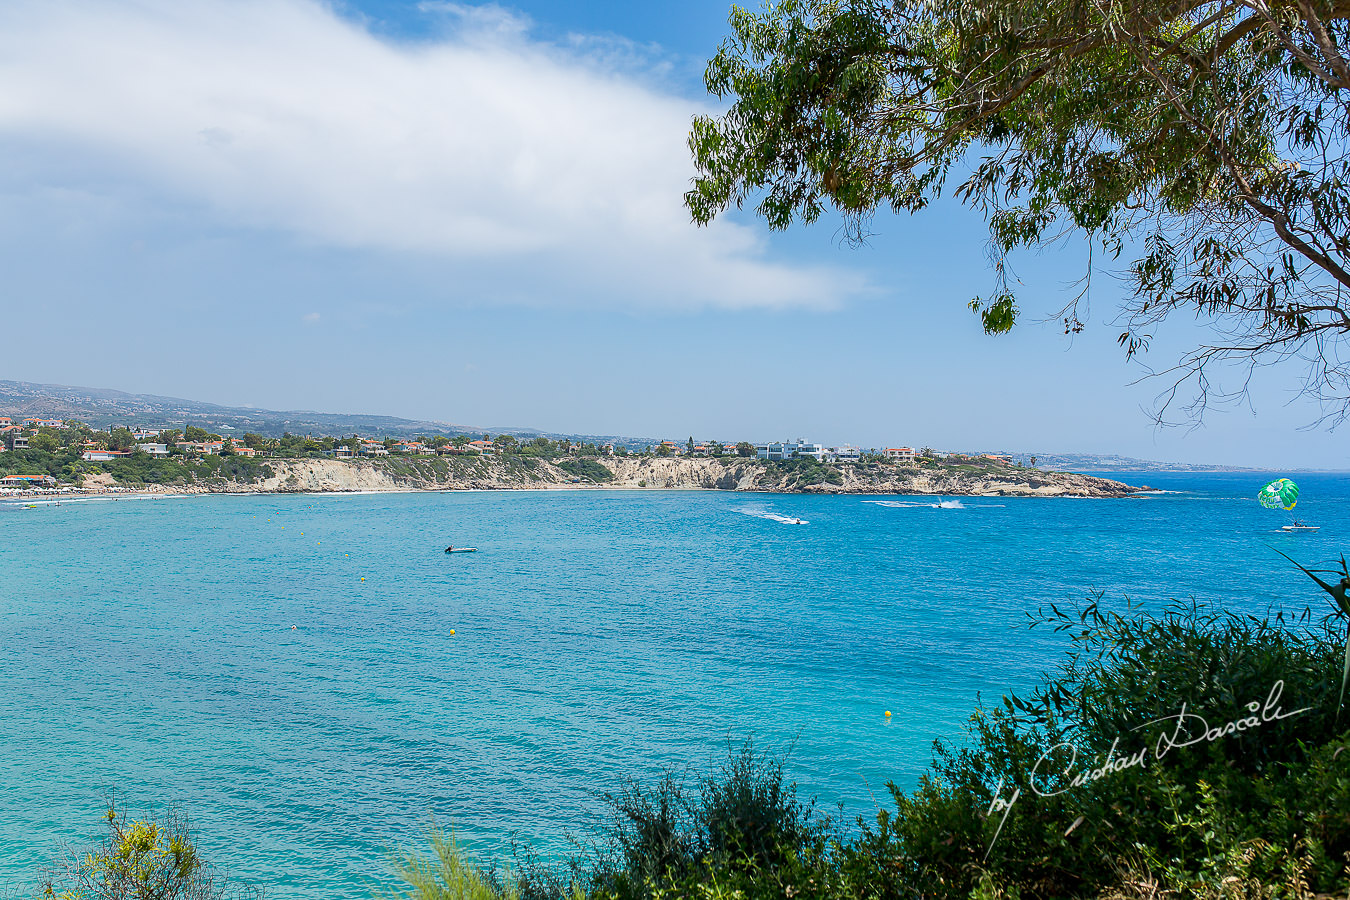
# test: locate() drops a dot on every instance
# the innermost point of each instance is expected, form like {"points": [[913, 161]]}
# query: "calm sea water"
{"points": [[147, 648]]}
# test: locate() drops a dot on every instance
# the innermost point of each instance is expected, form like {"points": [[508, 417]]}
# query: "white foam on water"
{"points": [[906, 504], [760, 512]]}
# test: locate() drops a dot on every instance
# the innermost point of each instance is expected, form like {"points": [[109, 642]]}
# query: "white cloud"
{"points": [[482, 147], [481, 19]]}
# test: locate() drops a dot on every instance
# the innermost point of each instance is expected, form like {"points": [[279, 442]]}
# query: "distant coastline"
{"points": [[287, 476]]}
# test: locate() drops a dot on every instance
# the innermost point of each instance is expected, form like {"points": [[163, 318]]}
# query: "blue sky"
{"points": [[472, 213]]}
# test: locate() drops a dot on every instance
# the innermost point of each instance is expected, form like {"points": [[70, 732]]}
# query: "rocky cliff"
{"points": [[728, 474]]}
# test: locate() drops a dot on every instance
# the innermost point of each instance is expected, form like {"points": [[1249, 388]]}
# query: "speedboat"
{"points": [[461, 549], [1299, 526]]}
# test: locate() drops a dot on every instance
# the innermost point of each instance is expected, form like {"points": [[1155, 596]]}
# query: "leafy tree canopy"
{"points": [[1208, 140], [45, 441]]}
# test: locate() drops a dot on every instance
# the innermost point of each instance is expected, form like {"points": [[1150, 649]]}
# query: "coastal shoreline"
{"points": [[733, 475]]}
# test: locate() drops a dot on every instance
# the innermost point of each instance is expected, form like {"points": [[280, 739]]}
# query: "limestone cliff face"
{"points": [[727, 474], [752, 475], [686, 474]]}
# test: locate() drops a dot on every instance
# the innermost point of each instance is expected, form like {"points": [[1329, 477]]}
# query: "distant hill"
{"points": [[1089, 462], [101, 408]]}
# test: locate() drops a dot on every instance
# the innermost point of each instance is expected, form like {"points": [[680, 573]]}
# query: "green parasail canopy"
{"points": [[1280, 493]]}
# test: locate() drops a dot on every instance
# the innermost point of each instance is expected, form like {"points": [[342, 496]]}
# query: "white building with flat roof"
{"points": [[789, 450], [104, 455], [844, 453]]}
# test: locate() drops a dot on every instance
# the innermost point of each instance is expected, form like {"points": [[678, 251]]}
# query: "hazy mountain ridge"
{"points": [[102, 407], [1093, 462]]}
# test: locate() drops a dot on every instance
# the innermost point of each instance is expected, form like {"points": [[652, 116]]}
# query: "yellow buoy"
{"points": [[363, 578], [888, 713], [452, 631]]}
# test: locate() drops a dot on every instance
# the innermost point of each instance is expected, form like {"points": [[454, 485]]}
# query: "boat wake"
{"points": [[760, 513], [906, 504]]}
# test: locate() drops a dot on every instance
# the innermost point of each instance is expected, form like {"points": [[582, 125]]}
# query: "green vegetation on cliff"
{"points": [[586, 469], [137, 469]]}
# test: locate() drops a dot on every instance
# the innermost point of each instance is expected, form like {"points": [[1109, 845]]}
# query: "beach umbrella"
{"points": [[1279, 494]]}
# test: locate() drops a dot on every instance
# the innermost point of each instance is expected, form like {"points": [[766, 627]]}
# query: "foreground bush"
{"points": [[737, 827], [447, 874], [1268, 803], [153, 859]]}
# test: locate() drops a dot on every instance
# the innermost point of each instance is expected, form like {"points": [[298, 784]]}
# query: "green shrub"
{"points": [[587, 468], [446, 874], [1185, 816], [741, 826], [803, 471], [152, 859]]}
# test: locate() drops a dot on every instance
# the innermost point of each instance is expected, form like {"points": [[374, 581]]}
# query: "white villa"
{"points": [[789, 449]]}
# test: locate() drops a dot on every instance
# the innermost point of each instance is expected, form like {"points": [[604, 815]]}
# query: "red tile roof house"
{"points": [[26, 480], [483, 447], [207, 447], [415, 447], [6, 420]]}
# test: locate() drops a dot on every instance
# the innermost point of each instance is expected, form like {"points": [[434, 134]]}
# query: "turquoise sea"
{"points": [[147, 649]]}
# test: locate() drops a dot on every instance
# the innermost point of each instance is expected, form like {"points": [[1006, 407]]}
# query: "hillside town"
{"points": [[122, 441], [44, 454]]}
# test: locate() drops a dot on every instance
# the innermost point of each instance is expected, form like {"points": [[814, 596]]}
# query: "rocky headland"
{"points": [[639, 473]]}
